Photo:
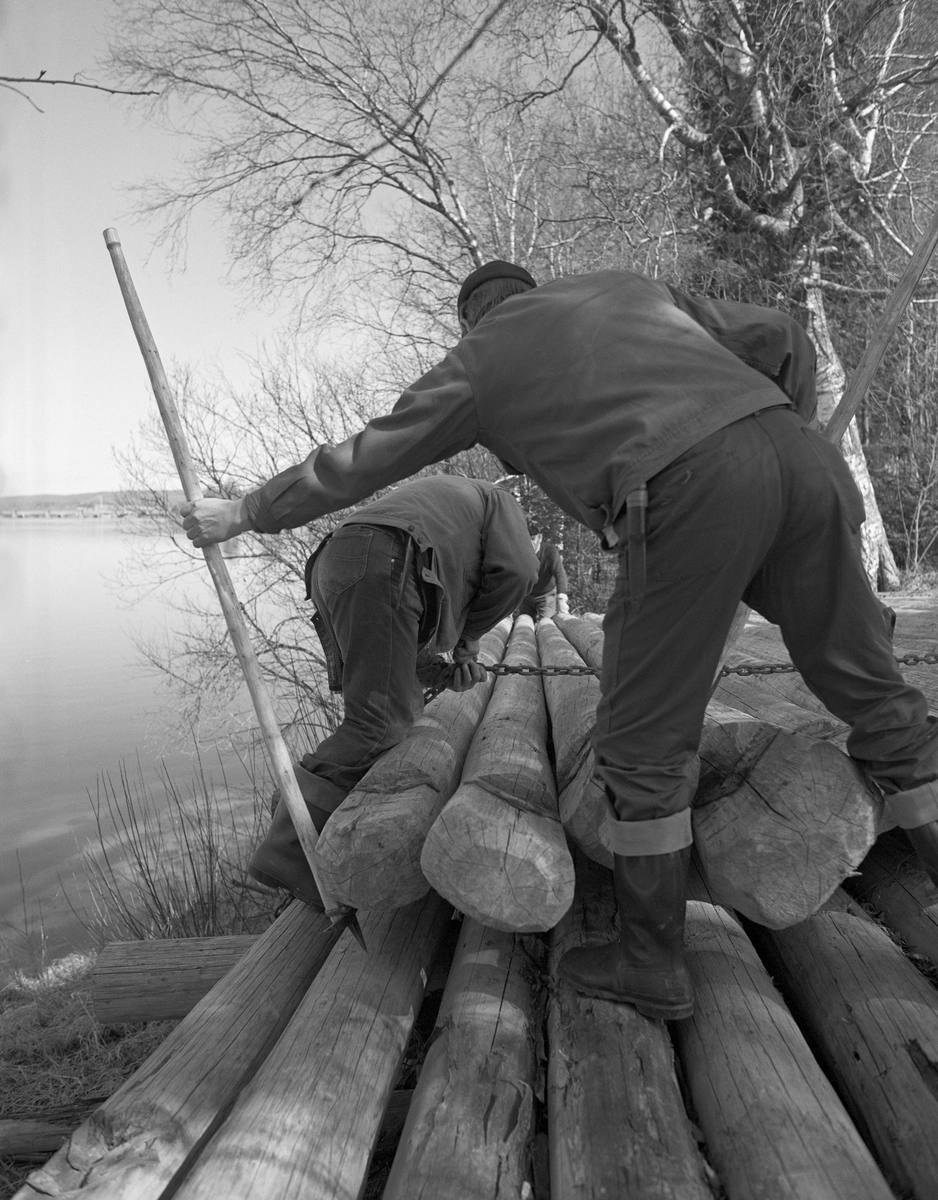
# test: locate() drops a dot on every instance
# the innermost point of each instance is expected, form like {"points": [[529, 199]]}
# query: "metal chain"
{"points": [[907, 660]]}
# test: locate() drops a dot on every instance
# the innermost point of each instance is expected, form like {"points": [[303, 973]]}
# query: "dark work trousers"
{"points": [[764, 511], [539, 608], [364, 585]]}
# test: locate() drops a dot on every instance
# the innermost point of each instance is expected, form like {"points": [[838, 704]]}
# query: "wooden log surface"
{"points": [[571, 702], [497, 851], [872, 1020], [29, 1138], [160, 979], [618, 1126], [774, 1126], [306, 1124], [468, 1129], [136, 1143], [893, 884], [369, 850], [779, 820]]}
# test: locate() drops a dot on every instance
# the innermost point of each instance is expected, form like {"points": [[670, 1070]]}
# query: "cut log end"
{"points": [[507, 869]]}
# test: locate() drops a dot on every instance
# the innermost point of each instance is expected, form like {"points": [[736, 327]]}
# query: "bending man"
{"points": [[550, 592], [428, 568], [681, 430]]}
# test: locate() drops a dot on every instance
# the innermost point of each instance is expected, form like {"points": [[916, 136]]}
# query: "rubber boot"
{"points": [[279, 861], [646, 966], [924, 839]]}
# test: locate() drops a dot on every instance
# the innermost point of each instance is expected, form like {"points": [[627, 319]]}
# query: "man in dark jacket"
{"points": [[427, 569], [681, 430], [549, 595]]}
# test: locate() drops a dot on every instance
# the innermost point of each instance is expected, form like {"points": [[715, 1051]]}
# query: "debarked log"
{"points": [[467, 1133], [369, 851], [137, 1142], [893, 883], [497, 851], [779, 820], [618, 1125], [160, 979], [872, 1020], [307, 1123], [571, 701], [774, 1125]]}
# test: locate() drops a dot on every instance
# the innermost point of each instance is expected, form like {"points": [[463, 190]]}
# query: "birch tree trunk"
{"points": [[831, 381]]}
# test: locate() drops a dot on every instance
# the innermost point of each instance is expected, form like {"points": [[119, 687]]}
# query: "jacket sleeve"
{"points": [[434, 419], [766, 339], [509, 564]]}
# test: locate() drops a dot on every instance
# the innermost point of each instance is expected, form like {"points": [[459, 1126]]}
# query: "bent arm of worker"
{"points": [[766, 339], [433, 419]]}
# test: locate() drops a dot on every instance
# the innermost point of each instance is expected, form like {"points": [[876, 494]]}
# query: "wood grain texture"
{"points": [[779, 820], [585, 811], [137, 1142], [618, 1126], [467, 1132], [774, 1126], [571, 701], [306, 1124], [163, 979], [895, 886], [369, 852], [872, 1020], [497, 851]]}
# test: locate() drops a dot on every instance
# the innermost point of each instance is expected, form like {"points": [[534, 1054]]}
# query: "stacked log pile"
{"points": [[369, 850], [808, 1068], [497, 850]]}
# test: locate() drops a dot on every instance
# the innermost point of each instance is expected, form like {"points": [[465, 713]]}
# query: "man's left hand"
{"points": [[563, 605], [469, 671]]}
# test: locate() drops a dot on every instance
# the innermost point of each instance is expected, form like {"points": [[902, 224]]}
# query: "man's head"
{"points": [[487, 286], [535, 535]]}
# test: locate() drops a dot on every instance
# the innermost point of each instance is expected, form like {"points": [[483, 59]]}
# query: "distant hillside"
{"points": [[82, 499]]}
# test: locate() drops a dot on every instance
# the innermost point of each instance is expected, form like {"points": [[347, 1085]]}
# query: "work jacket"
{"points": [[590, 385], [474, 553], [551, 573]]}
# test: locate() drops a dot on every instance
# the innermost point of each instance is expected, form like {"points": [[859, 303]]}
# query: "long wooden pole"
{"points": [[872, 356], [277, 751]]}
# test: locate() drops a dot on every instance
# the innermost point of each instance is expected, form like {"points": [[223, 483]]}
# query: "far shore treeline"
{"points": [[87, 504]]}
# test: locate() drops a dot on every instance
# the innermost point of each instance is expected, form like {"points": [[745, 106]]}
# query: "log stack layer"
{"points": [[808, 1067]]}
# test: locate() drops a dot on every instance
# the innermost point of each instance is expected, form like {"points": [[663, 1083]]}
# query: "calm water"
{"points": [[75, 702]]}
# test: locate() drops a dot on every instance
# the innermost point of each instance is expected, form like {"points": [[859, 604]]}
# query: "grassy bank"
{"points": [[161, 866]]}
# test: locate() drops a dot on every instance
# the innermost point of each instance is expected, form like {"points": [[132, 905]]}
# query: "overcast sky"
{"points": [[72, 382]]}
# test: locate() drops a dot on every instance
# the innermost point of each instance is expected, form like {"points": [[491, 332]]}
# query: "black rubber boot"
{"points": [[646, 966], [924, 839], [279, 861]]}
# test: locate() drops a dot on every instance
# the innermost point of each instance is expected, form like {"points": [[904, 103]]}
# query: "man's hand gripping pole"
{"points": [[339, 915]]}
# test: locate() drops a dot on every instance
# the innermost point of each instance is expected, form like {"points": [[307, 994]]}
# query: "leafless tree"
{"points": [[808, 128]]}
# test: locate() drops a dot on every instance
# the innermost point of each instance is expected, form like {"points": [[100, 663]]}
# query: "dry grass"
{"points": [[57, 1062], [169, 866]]}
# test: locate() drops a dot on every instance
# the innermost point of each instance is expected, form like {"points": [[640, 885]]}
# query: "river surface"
{"points": [[76, 704]]}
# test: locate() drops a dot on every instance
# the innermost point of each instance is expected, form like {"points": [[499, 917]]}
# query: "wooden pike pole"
{"points": [[872, 356], [861, 378], [273, 739]]}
